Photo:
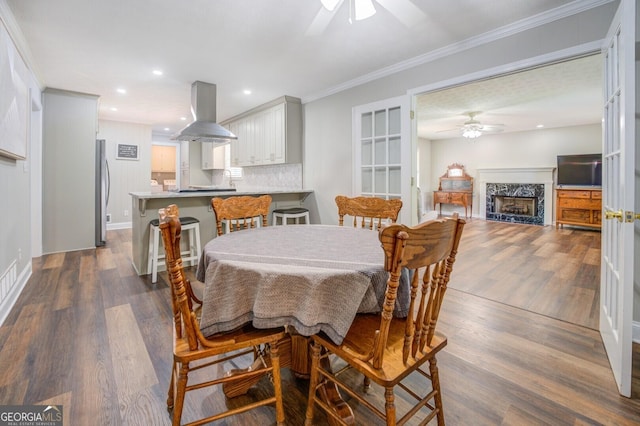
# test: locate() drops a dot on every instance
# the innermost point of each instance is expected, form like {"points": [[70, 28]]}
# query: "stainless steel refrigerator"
{"points": [[103, 183]]}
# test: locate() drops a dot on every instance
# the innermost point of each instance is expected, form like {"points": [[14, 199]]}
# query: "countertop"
{"points": [[191, 194]]}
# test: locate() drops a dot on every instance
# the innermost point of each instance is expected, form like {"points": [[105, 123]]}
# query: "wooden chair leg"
{"points": [[171, 391], [277, 383], [435, 382], [390, 406], [313, 382], [180, 392], [366, 385]]}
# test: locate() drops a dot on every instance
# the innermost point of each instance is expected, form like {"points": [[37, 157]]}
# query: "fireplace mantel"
{"points": [[540, 175], [525, 174]]}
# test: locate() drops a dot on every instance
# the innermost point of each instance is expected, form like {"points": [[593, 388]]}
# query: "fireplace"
{"points": [[515, 202], [517, 182], [525, 206]]}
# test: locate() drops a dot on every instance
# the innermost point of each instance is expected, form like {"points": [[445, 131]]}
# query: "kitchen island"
{"points": [[196, 204]]}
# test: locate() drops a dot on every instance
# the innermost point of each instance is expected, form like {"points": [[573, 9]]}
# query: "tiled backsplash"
{"points": [[280, 177]]}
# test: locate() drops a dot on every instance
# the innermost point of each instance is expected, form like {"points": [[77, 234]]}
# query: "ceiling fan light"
{"points": [[364, 9], [471, 133], [329, 4]]}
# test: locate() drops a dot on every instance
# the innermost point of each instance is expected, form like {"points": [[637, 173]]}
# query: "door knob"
{"points": [[610, 214]]}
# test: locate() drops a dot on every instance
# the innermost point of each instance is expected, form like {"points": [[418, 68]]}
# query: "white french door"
{"points": [[382, 152], [618, 185]]}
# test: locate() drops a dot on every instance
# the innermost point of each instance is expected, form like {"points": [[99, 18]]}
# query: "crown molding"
{"points": [[569, 9]]}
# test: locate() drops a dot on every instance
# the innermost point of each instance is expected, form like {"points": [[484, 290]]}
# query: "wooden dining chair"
{"points": [[241, 212], [368, 211], [385, 349], [191, 347]]}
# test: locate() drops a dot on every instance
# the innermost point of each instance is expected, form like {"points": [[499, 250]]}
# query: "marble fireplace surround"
{"points": [[523, 175]]}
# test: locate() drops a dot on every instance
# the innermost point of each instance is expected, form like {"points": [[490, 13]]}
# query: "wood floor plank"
{"points": [[52, 371], [13, 363], [143, 407], [133, 370], [54, 260], [105, 259], [14, 393]]}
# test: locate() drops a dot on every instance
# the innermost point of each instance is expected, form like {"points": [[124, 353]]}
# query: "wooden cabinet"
{"points": [[456, 187], [268, 134], [580, 207], [464, 199], [163, 158]]}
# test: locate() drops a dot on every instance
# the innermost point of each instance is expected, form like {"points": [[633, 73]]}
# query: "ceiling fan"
{"points": [[403, 10], [473, 128]]}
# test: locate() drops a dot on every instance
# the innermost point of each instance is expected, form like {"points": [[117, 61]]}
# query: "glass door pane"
{"points": [[383, 153]]}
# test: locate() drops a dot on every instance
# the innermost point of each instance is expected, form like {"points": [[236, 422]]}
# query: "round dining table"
{"points": [[314, 278], [307, 278]]}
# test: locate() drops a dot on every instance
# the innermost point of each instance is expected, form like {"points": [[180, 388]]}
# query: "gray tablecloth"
{"points": [[312, 277]]}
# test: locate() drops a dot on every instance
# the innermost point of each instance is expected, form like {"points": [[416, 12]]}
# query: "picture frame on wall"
{"points": [[14, 99], [127, 152]]}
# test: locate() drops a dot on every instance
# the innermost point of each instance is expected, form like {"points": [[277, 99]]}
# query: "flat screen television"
{"points": [[580, 170]]}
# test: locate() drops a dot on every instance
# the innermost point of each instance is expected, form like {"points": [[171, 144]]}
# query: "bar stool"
{"points": [[192, 255], [291, 213]]}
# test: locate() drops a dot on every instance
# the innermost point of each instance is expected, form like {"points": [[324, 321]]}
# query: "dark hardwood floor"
{"points": [[89, 334]]}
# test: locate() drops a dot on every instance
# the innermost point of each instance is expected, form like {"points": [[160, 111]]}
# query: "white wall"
{"points": [[126, 175], [537, 148], [327, 121], [15, 205]]}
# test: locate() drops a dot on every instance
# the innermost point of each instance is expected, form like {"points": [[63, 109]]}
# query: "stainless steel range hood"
{"points": [[204, 127]]}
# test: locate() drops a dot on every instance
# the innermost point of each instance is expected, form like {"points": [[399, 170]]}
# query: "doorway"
{"points": [[512, 106], [164, 166]]}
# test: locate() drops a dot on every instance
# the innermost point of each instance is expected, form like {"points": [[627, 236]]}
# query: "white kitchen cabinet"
{"points": [[213, 156], [268, 134]]}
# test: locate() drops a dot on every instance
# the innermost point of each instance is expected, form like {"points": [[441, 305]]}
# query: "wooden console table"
{"points": [[464, 199], [579, 207], [455, 187]]}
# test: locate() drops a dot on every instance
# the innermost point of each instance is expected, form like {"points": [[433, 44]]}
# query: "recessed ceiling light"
{"points": [[540, 126], [121, 90], [113, 109], [157, 72], [166, 129], [246, 91], [183, 118]]}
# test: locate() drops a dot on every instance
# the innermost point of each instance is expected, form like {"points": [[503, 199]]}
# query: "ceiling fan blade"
{"points": [[321, 21], [491, 129], [404, 11], [492, 126], [458, 129]]}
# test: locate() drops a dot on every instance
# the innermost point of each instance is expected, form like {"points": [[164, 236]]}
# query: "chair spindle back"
{"points": [[239, 212], [430, 247], [368, 212]]}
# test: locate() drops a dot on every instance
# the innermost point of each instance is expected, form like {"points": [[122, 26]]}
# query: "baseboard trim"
{"points": [[12, 296], [119, 225]]}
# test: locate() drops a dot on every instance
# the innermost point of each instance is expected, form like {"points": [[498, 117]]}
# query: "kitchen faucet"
{"points": [[228, 172]]}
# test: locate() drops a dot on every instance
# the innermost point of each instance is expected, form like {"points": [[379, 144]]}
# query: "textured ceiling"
{"points": [[558, 95], [272, 47]]}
